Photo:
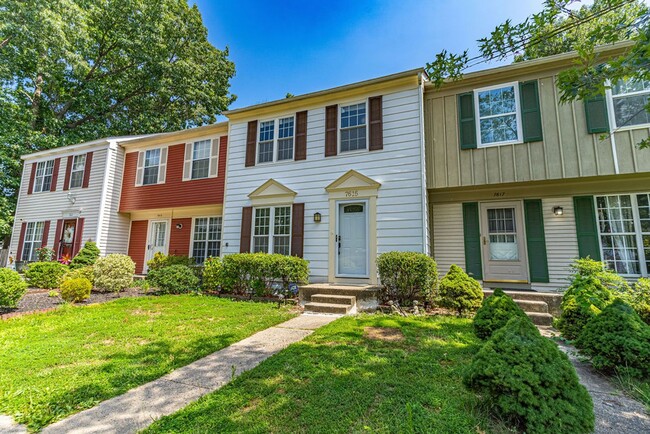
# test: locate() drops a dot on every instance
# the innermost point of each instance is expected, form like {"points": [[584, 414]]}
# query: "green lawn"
{"points": [[339, 381], [57, 363]]}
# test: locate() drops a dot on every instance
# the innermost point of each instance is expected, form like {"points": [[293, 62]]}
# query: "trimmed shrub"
{"points": [[212, 268], [114, 272], [12, 288], [584, 299], [46, 275], [407, 276], [494, 313], [529, 382], [174, 279], [641, 299], [260, 273], [75, 290], [161, 260], [586, 267], [87, 272], [617, 339], [88, 255], [460, 292]]}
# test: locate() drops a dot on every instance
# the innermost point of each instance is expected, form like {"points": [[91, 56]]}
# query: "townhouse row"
{"points": [[490, 172]]}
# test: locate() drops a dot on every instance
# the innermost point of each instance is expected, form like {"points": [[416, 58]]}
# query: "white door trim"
{"points": [[366, 204], [147, 251]]}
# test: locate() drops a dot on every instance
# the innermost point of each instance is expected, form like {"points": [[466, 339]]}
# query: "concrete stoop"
{"points": [[541, 307], [338, 299]]}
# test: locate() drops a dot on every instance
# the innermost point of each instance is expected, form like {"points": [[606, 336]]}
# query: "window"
{"points": [[628, 101], [201, 159], [353, 127], [151, 166], [624, 229], [43, 178], [498, 114], [77, 172], [269, 148], [206, 241], [33, 240], [272, 230]]}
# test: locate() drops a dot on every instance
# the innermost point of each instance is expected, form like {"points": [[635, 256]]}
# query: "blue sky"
{"points": [[305, 46]]}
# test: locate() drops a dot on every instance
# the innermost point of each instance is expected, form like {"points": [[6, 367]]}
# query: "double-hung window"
{"points": [[206, 241], [77, 171], [353, 127], [201, 159], [498, 116], [628, 101], [151, 166], [43, 178], [624, 230], [275, 140], [33, 240], [272, 230]]}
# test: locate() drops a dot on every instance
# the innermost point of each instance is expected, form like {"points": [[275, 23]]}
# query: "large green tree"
{"points": [[77, 70]]}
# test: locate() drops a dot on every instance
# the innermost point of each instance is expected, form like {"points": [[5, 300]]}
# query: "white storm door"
{"points": [[352, 239], [158, 238]]}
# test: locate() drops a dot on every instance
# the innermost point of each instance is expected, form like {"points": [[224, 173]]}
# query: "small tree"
{"points": [[87, 256], [460, 292], [494, 313]]}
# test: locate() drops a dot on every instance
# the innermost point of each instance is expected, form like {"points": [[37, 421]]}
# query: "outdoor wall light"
{"points": [[179, 226], [558, 210], [317, 217]]}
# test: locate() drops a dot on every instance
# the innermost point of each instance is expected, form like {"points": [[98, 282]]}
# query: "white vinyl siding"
{"points": [[77, 171], [33, 240], [43, 178]]}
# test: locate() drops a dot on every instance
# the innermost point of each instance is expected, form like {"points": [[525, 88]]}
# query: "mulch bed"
{"points": [[37, 300]]}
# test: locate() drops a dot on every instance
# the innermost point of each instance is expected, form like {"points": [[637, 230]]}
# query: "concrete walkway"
{"points": [[140, 407]]}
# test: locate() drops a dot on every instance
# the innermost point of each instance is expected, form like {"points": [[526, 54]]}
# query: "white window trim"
{"points": [[609, 98], [272, 225], [276, 131], [477, 118], [638, 234], [339, 128], [83, 170], [191, 255], [44, 163], [194, 142], [162, 167], [213, 159]]}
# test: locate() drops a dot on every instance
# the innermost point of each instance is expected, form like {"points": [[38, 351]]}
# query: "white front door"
{"points": [[503, 241], [158, 238], [352, 239]]}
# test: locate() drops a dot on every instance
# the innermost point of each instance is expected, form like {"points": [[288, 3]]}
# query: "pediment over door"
{"points": [[353, 180]]}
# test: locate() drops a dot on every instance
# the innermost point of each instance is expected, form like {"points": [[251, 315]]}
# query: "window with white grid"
{"points": [[628, 100], [43, 178], [201, 159], [353, 127], [206, 240], [272, 230], [77, 171], [33, 240], [151, 166], [275, 141], [265, 144]]}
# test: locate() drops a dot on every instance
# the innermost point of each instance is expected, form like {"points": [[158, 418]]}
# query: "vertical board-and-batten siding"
{"points": [[397, 167], [567, 151], [560, 232]]}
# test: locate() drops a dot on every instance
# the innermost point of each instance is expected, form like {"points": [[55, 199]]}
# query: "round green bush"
{"points": [[88, 255], [617, 338], [87, 272], [75, 290], [585, 298], [407, 276], [114, 272], [45, 275], [459, 292], [175, 279], [212, 274], [494, 313], [12, 288], [529, 382], [160, 260], [641, 299]]}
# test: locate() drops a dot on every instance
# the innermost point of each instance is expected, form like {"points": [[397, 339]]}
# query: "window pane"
{"points": [[150, 175], [266, 131], [262, 221], [353, 115], [152, 158], [285, 128], [617, 233], [265, 152], [200, 169], [201, 150], [353, 139], [629, 86], [499, 129], [497, 101], [630, 110], [151, 163], [260, 244]]}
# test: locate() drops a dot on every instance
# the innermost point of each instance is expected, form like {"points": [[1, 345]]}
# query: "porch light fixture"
{"points": [[179, 226], [317, 217], [558, 210]]}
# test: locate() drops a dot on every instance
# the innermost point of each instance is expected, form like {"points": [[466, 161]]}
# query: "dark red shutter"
{"points": [[46, 233], [87, 165], [68, 171], [32, 175], [246, 223], [78, 236], [301, 136], [331, 121], [297, 229], [58, 234], [55, 174], [251, 143], [376, 125], [21, 241]]}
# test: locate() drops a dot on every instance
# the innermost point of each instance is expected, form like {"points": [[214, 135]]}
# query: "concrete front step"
{"points": [[340, 309], [552, 299], [348, 300], [532, 306], [365, 296], [540, 319]]}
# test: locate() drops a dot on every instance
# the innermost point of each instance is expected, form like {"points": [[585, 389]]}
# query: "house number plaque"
{"points": [[352, 193]]}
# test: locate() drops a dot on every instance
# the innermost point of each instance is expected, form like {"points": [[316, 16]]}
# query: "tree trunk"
{"points": [[36, 103]]}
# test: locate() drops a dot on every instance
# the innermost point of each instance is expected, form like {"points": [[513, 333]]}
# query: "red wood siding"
{"points": [[138, 243], [174, 193], [179, 239]]}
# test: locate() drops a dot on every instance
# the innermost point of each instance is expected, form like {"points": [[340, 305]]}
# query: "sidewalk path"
{"points": [[140, 407]]}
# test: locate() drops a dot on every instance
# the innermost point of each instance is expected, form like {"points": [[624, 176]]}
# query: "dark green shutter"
{"points": [[535, 240], [466, 121], [596, 114], [586, 227], [531, 117], [472, 236]]}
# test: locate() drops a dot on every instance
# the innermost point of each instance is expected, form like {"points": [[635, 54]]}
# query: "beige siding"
{"points": [[448, 242]]}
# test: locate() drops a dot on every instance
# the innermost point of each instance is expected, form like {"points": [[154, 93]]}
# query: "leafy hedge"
{"points": [[641, 299], [529, 382], [75, 290], [161, 260], [459, 291], [212, 268], [12, 288], [45, 275], [407, 276], [114, 272], [174, 279], [87, 256], [494, 313], [87, 272]]}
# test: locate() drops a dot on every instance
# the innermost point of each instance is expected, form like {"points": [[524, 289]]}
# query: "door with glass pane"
{"points": [[503, 243], [67, 239], [158, 238], [352, 240]]}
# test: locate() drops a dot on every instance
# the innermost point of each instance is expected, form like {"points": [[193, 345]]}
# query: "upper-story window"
{"points": [[151, 166], [353, 127], [272, 230], [201, 159], [33, 240], [77, 171], [498, 114], [43, 178], [275, 140], [628, 99]]}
